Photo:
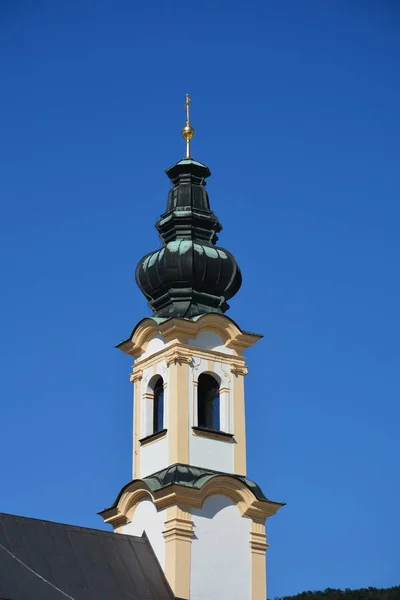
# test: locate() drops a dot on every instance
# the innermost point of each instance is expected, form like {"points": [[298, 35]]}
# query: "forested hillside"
{"points": [[363, 594]]}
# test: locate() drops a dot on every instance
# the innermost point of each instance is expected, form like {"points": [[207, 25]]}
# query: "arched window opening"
{"points": [[158, 406], [208, 403]]}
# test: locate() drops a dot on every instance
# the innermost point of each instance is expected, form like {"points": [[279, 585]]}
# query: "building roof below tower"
{"points": [[42, 560]]}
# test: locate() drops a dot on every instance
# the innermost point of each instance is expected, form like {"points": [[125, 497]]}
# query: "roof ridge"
{"points": [[74, 527]]}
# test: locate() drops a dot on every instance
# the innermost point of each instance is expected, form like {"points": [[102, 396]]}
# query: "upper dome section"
{"points": [[189, 275]]}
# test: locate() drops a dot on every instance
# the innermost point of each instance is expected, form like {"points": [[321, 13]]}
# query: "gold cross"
{"points": [[187, 106]]}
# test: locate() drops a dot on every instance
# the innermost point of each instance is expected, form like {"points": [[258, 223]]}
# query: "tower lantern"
{"points": [[189, 491]]}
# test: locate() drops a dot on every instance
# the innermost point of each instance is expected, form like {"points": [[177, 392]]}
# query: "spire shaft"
{"points": [[187, 131], [187, 106]]}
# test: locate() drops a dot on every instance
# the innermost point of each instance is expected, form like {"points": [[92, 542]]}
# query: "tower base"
{"points": [[204, 527]]}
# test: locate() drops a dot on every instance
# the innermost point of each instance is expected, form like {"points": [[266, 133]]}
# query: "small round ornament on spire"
{"points": [[188, 131]]}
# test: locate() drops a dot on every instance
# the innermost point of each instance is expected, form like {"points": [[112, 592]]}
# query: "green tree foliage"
{"points": [[363, 594]]}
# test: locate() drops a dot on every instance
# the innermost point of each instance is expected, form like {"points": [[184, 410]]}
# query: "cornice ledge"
{"points": [[174, 494], [179, 329], [188, 349], [258, 538], [130, 495], [239, 370], [140, 334], [136, 375], [190, 497], [178, 357], [178, 529], [260, 510], [258, 547], [114, 517]]}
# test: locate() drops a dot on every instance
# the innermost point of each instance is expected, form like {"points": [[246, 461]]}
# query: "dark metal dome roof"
{"points": [[188, 275]]}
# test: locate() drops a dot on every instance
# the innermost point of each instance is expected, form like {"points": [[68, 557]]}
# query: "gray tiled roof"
{"points": [[42, 560]]}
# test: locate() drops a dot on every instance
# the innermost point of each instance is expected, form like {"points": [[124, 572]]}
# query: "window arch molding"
{"points": [[226, 408], [153, 382], [209, 401], [207, 371], [154, 405]]}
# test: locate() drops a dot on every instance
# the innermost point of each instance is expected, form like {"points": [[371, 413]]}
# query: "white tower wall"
{"points": [[220, 560]]}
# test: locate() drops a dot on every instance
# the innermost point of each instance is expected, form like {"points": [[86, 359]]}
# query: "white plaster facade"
{"points": [[210, 340], [146, 518], [220, 559], [154, 457], [216, 454], [209, 539], [211, 454]]}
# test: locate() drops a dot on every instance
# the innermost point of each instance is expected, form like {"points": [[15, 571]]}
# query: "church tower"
{"points": [[189, 491]]}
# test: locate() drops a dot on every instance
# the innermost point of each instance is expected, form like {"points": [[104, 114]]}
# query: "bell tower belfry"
{"points": [[189, 490]]}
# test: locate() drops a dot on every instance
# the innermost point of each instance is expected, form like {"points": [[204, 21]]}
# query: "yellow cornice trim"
{"points": [[189, 497], [181, 330], [179, 352], [143, 331], [114, 517]]}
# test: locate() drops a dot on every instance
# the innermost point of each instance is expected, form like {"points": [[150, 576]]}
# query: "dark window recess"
{"points": [[208, 403], [158, 406]]}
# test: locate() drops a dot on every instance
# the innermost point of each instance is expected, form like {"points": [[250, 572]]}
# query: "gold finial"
{"points": [[187, 131]]}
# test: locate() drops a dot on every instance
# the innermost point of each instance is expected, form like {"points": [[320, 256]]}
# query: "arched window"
{"points": [[158, 406], [208, 402]]}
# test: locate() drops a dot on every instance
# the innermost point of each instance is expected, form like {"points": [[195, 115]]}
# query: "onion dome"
{"points": [[189, 275]]}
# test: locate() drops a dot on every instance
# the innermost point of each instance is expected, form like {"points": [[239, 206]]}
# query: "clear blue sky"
{"points": [[296, 108]]}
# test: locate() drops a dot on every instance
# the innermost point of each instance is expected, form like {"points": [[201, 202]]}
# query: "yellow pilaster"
{"points": [[136, 378], [239, 423], [178, 402], [258, 546], [178, 535]]}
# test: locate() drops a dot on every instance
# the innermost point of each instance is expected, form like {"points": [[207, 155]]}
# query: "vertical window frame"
{"points": [[158, 406], [208, 403]]}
